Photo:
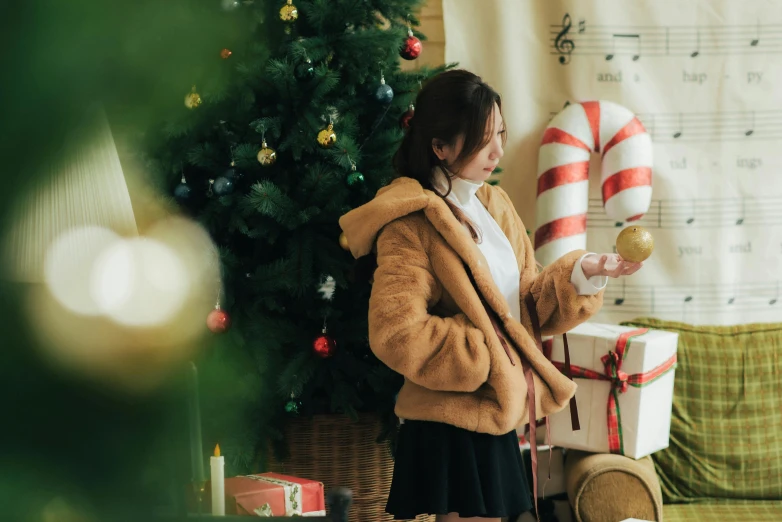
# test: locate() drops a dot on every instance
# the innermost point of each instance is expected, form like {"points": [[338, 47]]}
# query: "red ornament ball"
{"points": [[324, 346], [404, 120], [412, 48], [225, 53], [218, 320]]}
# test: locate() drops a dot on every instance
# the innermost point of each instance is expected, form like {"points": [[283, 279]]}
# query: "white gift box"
{"points": [[523, 436], [554, 462], [644, 412]]}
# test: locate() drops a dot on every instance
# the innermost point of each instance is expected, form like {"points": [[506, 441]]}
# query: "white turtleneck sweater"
{"points": [[497, 249]]}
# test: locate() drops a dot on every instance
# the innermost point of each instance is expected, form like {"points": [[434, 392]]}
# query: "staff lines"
{"points": [[638, 41], [672, 127]]}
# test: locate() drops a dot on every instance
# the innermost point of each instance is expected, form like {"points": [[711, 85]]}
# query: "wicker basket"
{"points": [[340, 452]]}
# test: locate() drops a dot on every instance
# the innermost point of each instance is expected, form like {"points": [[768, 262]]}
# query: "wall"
{"points": [[431, 17]]}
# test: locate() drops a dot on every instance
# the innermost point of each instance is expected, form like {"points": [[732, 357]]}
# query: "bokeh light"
{"points": [[139, 282], [69, 265]]}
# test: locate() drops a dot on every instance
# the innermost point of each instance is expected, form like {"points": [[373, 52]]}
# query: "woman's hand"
{"points": [[611, 265]]}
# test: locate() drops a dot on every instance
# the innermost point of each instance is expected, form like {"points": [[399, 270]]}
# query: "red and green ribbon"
{"points": [[612, 365]]}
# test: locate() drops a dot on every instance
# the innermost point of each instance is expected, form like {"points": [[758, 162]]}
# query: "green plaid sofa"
{"points": [[724, 462]]}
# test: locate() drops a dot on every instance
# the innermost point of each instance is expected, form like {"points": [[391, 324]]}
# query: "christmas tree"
{"points": [[296, 127]]}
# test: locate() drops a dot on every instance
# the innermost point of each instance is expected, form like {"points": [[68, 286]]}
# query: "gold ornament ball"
{"points": [[634, 244], [192, 99], [267, 156], [343, 241], [289, 13], [327, 137]]}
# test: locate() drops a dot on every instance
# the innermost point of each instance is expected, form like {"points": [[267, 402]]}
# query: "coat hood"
{"points": [[401, 197]]}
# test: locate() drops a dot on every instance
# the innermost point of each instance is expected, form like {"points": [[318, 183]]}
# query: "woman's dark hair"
{"points": [[452, 104]]}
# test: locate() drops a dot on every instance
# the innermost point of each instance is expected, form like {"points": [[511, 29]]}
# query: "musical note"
{"points": [[776, 296], [697, 50], [733, 296], [562, 43], [678, 133], [581, 26], [635, 40], [755, 41], [691, 218], [751, 127], [740, 219]]}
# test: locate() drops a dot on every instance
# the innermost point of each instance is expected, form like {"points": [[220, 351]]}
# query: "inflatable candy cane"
{"points": [[563, 173]]}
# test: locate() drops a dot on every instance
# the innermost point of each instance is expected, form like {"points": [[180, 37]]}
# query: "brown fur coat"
{"points": [[427, 322]]}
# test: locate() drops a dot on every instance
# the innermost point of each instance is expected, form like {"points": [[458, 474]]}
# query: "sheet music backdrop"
{"points": [[705, 78]]}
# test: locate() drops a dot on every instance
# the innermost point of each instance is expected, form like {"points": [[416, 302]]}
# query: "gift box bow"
{"points": [[620, 380]]}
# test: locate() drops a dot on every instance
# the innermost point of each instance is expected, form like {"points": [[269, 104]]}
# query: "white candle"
{"points": [[217, 464]]}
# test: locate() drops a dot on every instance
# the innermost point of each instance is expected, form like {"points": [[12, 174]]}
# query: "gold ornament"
{"points": [[343, 241], [192, 99], [266, 156], [327, 137], [288, 12], [634, 244]]}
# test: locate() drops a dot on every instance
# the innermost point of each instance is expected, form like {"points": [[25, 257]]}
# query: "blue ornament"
{"points": [[183, 192], [384, 94], [223, 186]]}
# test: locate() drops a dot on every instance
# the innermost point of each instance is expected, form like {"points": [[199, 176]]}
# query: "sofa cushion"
{"points": [[726, 429], [607, 488], [758, 511]]}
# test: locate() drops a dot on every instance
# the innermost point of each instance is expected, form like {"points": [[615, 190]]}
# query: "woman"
{"points": [[452, 253]]}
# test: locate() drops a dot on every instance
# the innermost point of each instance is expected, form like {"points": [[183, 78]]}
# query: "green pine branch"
{"points": [[278, 231]]}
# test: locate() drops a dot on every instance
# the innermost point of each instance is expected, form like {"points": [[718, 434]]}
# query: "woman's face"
{"points": [[482, 164]]}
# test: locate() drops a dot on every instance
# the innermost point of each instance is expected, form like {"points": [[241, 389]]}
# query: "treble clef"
{"points": [[562, 43]]}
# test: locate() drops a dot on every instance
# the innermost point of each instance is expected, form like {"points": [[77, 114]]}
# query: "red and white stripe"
{"points": [[563, 173]]}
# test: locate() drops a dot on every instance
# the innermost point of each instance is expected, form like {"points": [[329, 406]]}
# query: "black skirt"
{"points": [[441, 469]]}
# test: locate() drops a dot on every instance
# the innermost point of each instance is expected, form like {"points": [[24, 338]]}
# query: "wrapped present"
{"points": [[272, 494], [625, 389], [523, 442], [550, 511], [522, 434], [551, 471]]}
